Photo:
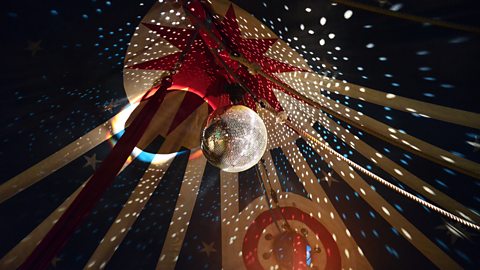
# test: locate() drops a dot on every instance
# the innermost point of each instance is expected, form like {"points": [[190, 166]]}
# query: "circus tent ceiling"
{"points": [[388, 87]]}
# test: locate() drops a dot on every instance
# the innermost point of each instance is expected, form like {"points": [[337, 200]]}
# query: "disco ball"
{"points": [[234, 138]]}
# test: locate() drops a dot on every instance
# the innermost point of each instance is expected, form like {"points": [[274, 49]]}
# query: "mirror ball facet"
{"points": [[234, 138]]}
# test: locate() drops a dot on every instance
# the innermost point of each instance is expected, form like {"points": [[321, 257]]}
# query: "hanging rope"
{"points": [[269, 203], [382, 181], [253, 67]]}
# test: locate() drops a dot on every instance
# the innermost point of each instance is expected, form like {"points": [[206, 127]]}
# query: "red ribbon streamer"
{"points": [[86, 200]]}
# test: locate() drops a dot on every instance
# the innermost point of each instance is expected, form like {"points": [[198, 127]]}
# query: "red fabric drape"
{"points": [[94, 189]]}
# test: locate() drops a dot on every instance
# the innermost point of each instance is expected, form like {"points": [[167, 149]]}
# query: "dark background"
{"points": [[62, 63]]}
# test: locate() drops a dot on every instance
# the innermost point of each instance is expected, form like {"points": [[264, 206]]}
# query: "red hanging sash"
{"points": [[98, 184]]}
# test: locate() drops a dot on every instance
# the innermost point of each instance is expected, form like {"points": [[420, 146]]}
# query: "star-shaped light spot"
{"points": [[455, 231], [208, 248], [110, 105], [54, 261], [475, 144], [34, 47], [330, 180], [91, 161]]}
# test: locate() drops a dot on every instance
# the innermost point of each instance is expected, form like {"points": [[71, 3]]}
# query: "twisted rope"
{"points": [[384, 182]]}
